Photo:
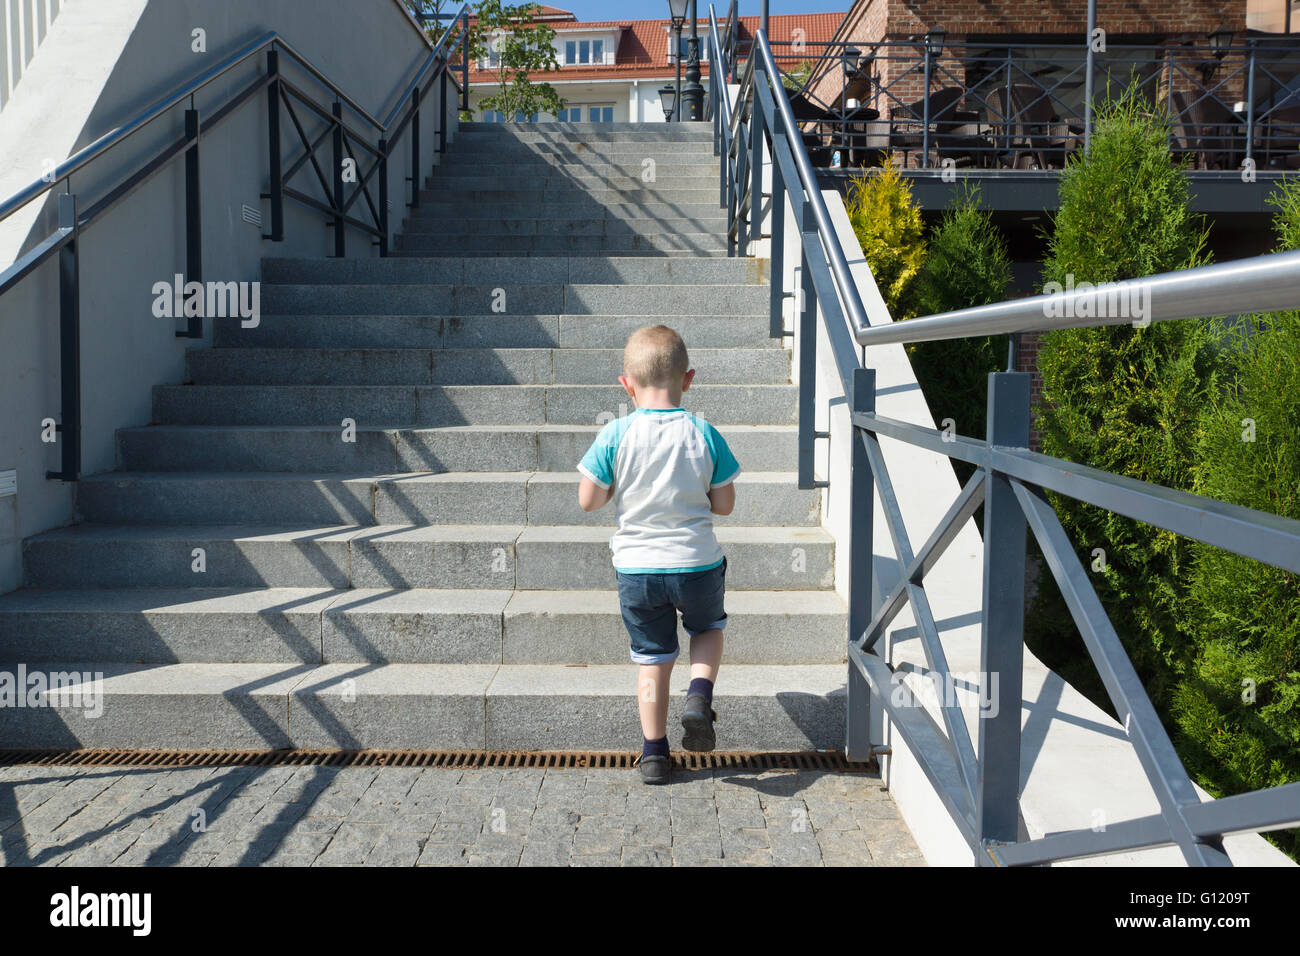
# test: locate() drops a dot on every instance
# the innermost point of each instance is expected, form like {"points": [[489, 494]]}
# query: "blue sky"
{"points": [[658, 9]]}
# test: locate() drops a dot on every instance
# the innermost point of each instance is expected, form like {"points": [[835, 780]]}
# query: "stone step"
{"points": [[498, 150], [266, 706], [469, 137], [463, 241], [487, 331], [465, 448], [462, 271], [513, 299], [663, 189], [559, 172], [395, 406], [496, 557], [545, 253], [547, 229], [495, 192], [369, 625], [586, 131], [492, 498], [591, 208], [504, 366]]}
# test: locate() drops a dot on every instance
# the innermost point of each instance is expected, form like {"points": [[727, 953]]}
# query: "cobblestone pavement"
{"points": [[323, 816]]}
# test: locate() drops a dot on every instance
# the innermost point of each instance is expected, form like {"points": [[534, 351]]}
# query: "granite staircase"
{"points": [[356, 525]]}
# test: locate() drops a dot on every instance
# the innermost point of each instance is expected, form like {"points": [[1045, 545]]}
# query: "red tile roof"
{"points": [[643, 47]]}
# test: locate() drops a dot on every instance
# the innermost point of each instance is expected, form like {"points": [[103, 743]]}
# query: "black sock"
{"points": [[655, 748], [701, 685]]}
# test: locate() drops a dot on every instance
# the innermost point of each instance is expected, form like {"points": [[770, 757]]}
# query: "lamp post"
{"points": [[933, 48], [677, 11], [668, 100], [693, 96], [1220, 44], [849, 63]]}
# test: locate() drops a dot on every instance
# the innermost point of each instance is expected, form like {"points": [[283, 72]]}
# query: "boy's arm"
{"points": [[722, 487], [596, 485], [591, 496], [723, 500]]}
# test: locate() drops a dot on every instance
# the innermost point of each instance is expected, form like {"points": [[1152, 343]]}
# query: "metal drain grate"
{"points": [[464, 759]]}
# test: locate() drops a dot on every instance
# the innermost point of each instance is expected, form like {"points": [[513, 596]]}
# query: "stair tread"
{"points": [[515, 680], [380, 601], [727, 534]]}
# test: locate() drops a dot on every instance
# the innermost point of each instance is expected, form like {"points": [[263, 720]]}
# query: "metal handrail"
{"points": [[1266, 283], [272, 39], [980, 789], [65, 240]]}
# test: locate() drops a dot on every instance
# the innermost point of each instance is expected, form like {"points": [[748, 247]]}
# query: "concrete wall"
{"points": [[1078, 768], [24, 25], [370, 48]]}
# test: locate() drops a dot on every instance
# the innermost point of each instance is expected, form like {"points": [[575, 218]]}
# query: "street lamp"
{"points": [[693, 97], [668, 100], [677, 12], [934, 41], [1221, 42]]}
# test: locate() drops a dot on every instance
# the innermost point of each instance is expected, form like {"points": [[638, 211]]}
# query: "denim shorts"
{"points": [[651, 603]]}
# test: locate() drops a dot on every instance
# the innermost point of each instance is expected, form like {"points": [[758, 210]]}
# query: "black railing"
{"points": [[281, 93], [1003, 105], [979, 787]]}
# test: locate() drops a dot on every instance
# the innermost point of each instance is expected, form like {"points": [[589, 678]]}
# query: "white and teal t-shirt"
{"points": [[662, 463]]}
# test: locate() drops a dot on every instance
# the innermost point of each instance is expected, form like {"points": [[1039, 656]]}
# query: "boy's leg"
{"points": [[704, 616], [706, 654], [652, 699], [651, 623]]}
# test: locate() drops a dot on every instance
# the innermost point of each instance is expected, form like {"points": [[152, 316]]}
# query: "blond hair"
{"points": [[655, 357]]}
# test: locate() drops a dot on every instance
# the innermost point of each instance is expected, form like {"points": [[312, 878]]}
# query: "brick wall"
{"points": [[1027, 361], [1064, 16]]}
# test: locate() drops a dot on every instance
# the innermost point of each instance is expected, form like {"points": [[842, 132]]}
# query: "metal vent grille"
{"points": [[463, 759]]}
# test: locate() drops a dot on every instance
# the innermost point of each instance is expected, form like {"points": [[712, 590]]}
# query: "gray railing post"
{"points": [[1002, 638], [806, 319], [339, 224], [383, 197], [415, 148], [193, 221], [1250, 106], [925, 109], [862, 599], [464, 67], [69, 426], [776, 254], [276, 195], [756, 169], [442, 112], [1090, 77]]}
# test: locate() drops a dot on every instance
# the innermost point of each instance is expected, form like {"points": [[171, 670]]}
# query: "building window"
{"points": [[571, 115], [600, 114], [684, 49], [584, 51], [496, 116]]}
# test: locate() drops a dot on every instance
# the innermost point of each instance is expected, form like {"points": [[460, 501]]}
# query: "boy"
{"points": [[668, 473]]}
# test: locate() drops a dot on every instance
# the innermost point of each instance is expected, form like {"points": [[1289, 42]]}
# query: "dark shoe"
{"points": [[698, 720], [655, 768]]}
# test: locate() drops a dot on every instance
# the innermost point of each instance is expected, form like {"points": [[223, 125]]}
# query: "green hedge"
{"points": [[1238, 705], [1121, 398], [967, 264]]}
